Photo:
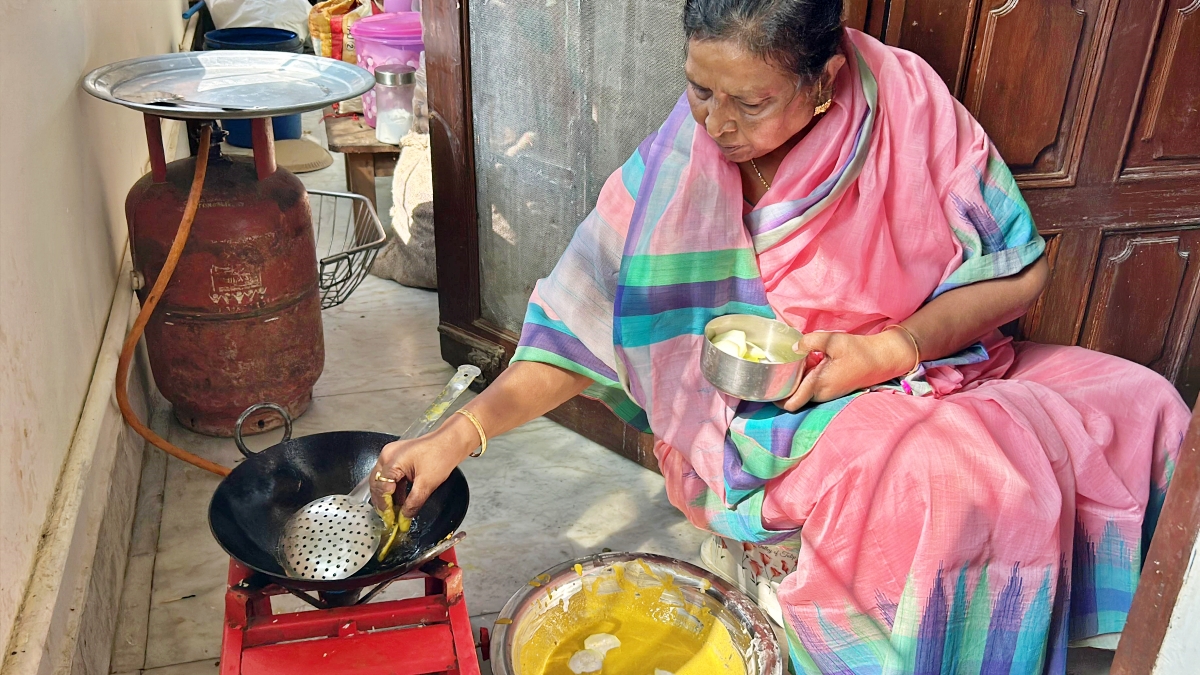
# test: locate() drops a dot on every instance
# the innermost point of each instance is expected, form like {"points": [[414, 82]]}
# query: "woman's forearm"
{"points": [[957, 318], [525, 391]]}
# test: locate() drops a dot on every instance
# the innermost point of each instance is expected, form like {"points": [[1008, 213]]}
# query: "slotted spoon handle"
{"points": [[454, 388], [436, 410]]}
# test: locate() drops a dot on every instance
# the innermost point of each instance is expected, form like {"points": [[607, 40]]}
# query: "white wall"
{"points": [[66, 162], [1181, 647]]}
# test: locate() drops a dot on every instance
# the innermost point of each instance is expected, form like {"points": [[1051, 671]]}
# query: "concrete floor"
{"points": [[540, 496]]}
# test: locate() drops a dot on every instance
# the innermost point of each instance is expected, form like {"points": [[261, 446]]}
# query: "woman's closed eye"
{"points": [[700, 92], [753, 107]]}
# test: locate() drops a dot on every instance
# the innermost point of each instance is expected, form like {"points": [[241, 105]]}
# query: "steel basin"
{"points": [[749, 627]]}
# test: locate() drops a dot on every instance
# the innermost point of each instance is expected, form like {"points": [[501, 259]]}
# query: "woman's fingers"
{"points": [[390, 458], [387, 474], [420, 492], [814, 342], [409, 471], [804, 392], [378, 490]]}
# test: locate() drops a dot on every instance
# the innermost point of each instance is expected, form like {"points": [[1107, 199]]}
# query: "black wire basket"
{"points": [[349, 236]]}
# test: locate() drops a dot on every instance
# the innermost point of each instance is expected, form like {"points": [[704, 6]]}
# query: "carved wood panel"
{"points": [[1167, 134], [1020, 74], [941, 31], [1027, 69], [856, 14], [1145, 298]]}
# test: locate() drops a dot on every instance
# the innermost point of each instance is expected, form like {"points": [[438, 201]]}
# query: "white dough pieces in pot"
{"points": [[590, 659], [586, 661], [601, 642]]}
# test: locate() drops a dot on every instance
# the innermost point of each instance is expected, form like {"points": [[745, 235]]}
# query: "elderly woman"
{"points": [[957, 501]]}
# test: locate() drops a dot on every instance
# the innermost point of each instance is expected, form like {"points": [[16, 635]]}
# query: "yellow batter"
{"points": [[656, 627]]}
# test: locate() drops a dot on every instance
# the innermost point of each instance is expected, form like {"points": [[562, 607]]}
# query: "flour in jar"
{"points": [[393, 125]]}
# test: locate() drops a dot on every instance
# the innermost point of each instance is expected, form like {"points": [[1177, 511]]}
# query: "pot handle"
{"points": [[237, 428]]}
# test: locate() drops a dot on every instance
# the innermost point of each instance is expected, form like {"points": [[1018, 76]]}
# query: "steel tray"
{"points": [[228, 84]]}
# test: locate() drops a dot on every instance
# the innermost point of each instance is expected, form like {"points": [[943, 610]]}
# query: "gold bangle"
{"points": [[916, 347], [478, 427]]}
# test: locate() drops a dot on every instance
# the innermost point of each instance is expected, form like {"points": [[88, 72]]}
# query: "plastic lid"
{"points": [[395, 74], [388, 26]]}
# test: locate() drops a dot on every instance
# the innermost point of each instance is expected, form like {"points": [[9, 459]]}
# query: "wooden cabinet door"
{"points": [[1095, 105]]}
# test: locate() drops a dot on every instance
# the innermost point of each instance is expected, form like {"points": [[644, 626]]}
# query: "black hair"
{"points": [[798, 35]]}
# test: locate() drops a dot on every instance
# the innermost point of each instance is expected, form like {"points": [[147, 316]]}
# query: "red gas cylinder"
{"points": [[240, 321]]}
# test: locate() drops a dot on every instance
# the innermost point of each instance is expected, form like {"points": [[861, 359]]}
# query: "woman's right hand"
{"points": [[524, 391], [423, 463]]}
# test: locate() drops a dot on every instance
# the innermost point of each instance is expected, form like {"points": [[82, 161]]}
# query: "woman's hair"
{"points": [[798, 35]]}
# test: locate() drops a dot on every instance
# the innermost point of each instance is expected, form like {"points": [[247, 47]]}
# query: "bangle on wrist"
{"points": [[916, 347], [483, 439]]}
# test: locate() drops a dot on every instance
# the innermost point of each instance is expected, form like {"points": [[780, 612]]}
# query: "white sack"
{"points": [[286, 14]]}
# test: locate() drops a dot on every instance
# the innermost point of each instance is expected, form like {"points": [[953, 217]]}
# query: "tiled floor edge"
{"points": [[129, 639]]}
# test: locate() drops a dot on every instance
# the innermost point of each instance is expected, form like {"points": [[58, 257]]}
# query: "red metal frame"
{"points": [[418, 636]]}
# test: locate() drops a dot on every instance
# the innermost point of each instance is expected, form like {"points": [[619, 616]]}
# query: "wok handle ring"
{"points": [[237, 428]]}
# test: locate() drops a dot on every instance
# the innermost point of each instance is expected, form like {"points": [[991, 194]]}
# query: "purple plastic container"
{"points": [[387, 39]]}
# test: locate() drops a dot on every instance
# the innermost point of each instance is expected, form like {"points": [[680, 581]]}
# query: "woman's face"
{"points": [[748, 105]]}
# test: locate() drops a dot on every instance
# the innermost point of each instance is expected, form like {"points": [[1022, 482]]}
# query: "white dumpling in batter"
{"points": [[586, 661], [601, 642], [660, 671]]}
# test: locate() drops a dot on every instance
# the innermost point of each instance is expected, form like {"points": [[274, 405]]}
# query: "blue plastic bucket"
{"points": [[263, 40]]}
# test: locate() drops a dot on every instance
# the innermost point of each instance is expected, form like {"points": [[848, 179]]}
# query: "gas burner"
{"points": [[416, 636]]}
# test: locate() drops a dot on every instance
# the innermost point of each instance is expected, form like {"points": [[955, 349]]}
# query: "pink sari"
{"points": [[972, 526]]}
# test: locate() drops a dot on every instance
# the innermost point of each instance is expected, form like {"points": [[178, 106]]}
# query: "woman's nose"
{"points": [[718, 121]]}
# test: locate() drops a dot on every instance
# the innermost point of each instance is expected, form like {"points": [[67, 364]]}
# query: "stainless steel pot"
{"points": [[749, 627]]}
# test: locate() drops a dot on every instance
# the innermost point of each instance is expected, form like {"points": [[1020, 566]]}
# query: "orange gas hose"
{"points": [[139, 326]]}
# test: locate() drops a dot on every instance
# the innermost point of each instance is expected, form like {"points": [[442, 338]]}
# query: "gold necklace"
{"points": [[760, 176]]}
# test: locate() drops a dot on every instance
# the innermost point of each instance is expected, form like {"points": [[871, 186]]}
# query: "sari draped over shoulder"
{"points": [[970, 518]]}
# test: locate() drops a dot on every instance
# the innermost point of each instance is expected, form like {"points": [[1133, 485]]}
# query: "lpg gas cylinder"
{"points": [[240, 320]]}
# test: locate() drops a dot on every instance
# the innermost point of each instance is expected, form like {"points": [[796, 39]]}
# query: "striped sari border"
{"points": [[649, 300]]}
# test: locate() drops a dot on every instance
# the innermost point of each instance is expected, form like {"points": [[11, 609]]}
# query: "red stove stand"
{"points": [[417, 636]]}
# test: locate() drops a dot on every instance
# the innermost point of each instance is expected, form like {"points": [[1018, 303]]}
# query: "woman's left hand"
{"points": [[849, 363]]}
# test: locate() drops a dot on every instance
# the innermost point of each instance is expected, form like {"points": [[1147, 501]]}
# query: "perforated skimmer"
{"points": [[333, 537]]}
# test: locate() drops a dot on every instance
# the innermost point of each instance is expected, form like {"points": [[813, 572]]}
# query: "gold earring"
{"points": [[823, 108]]}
